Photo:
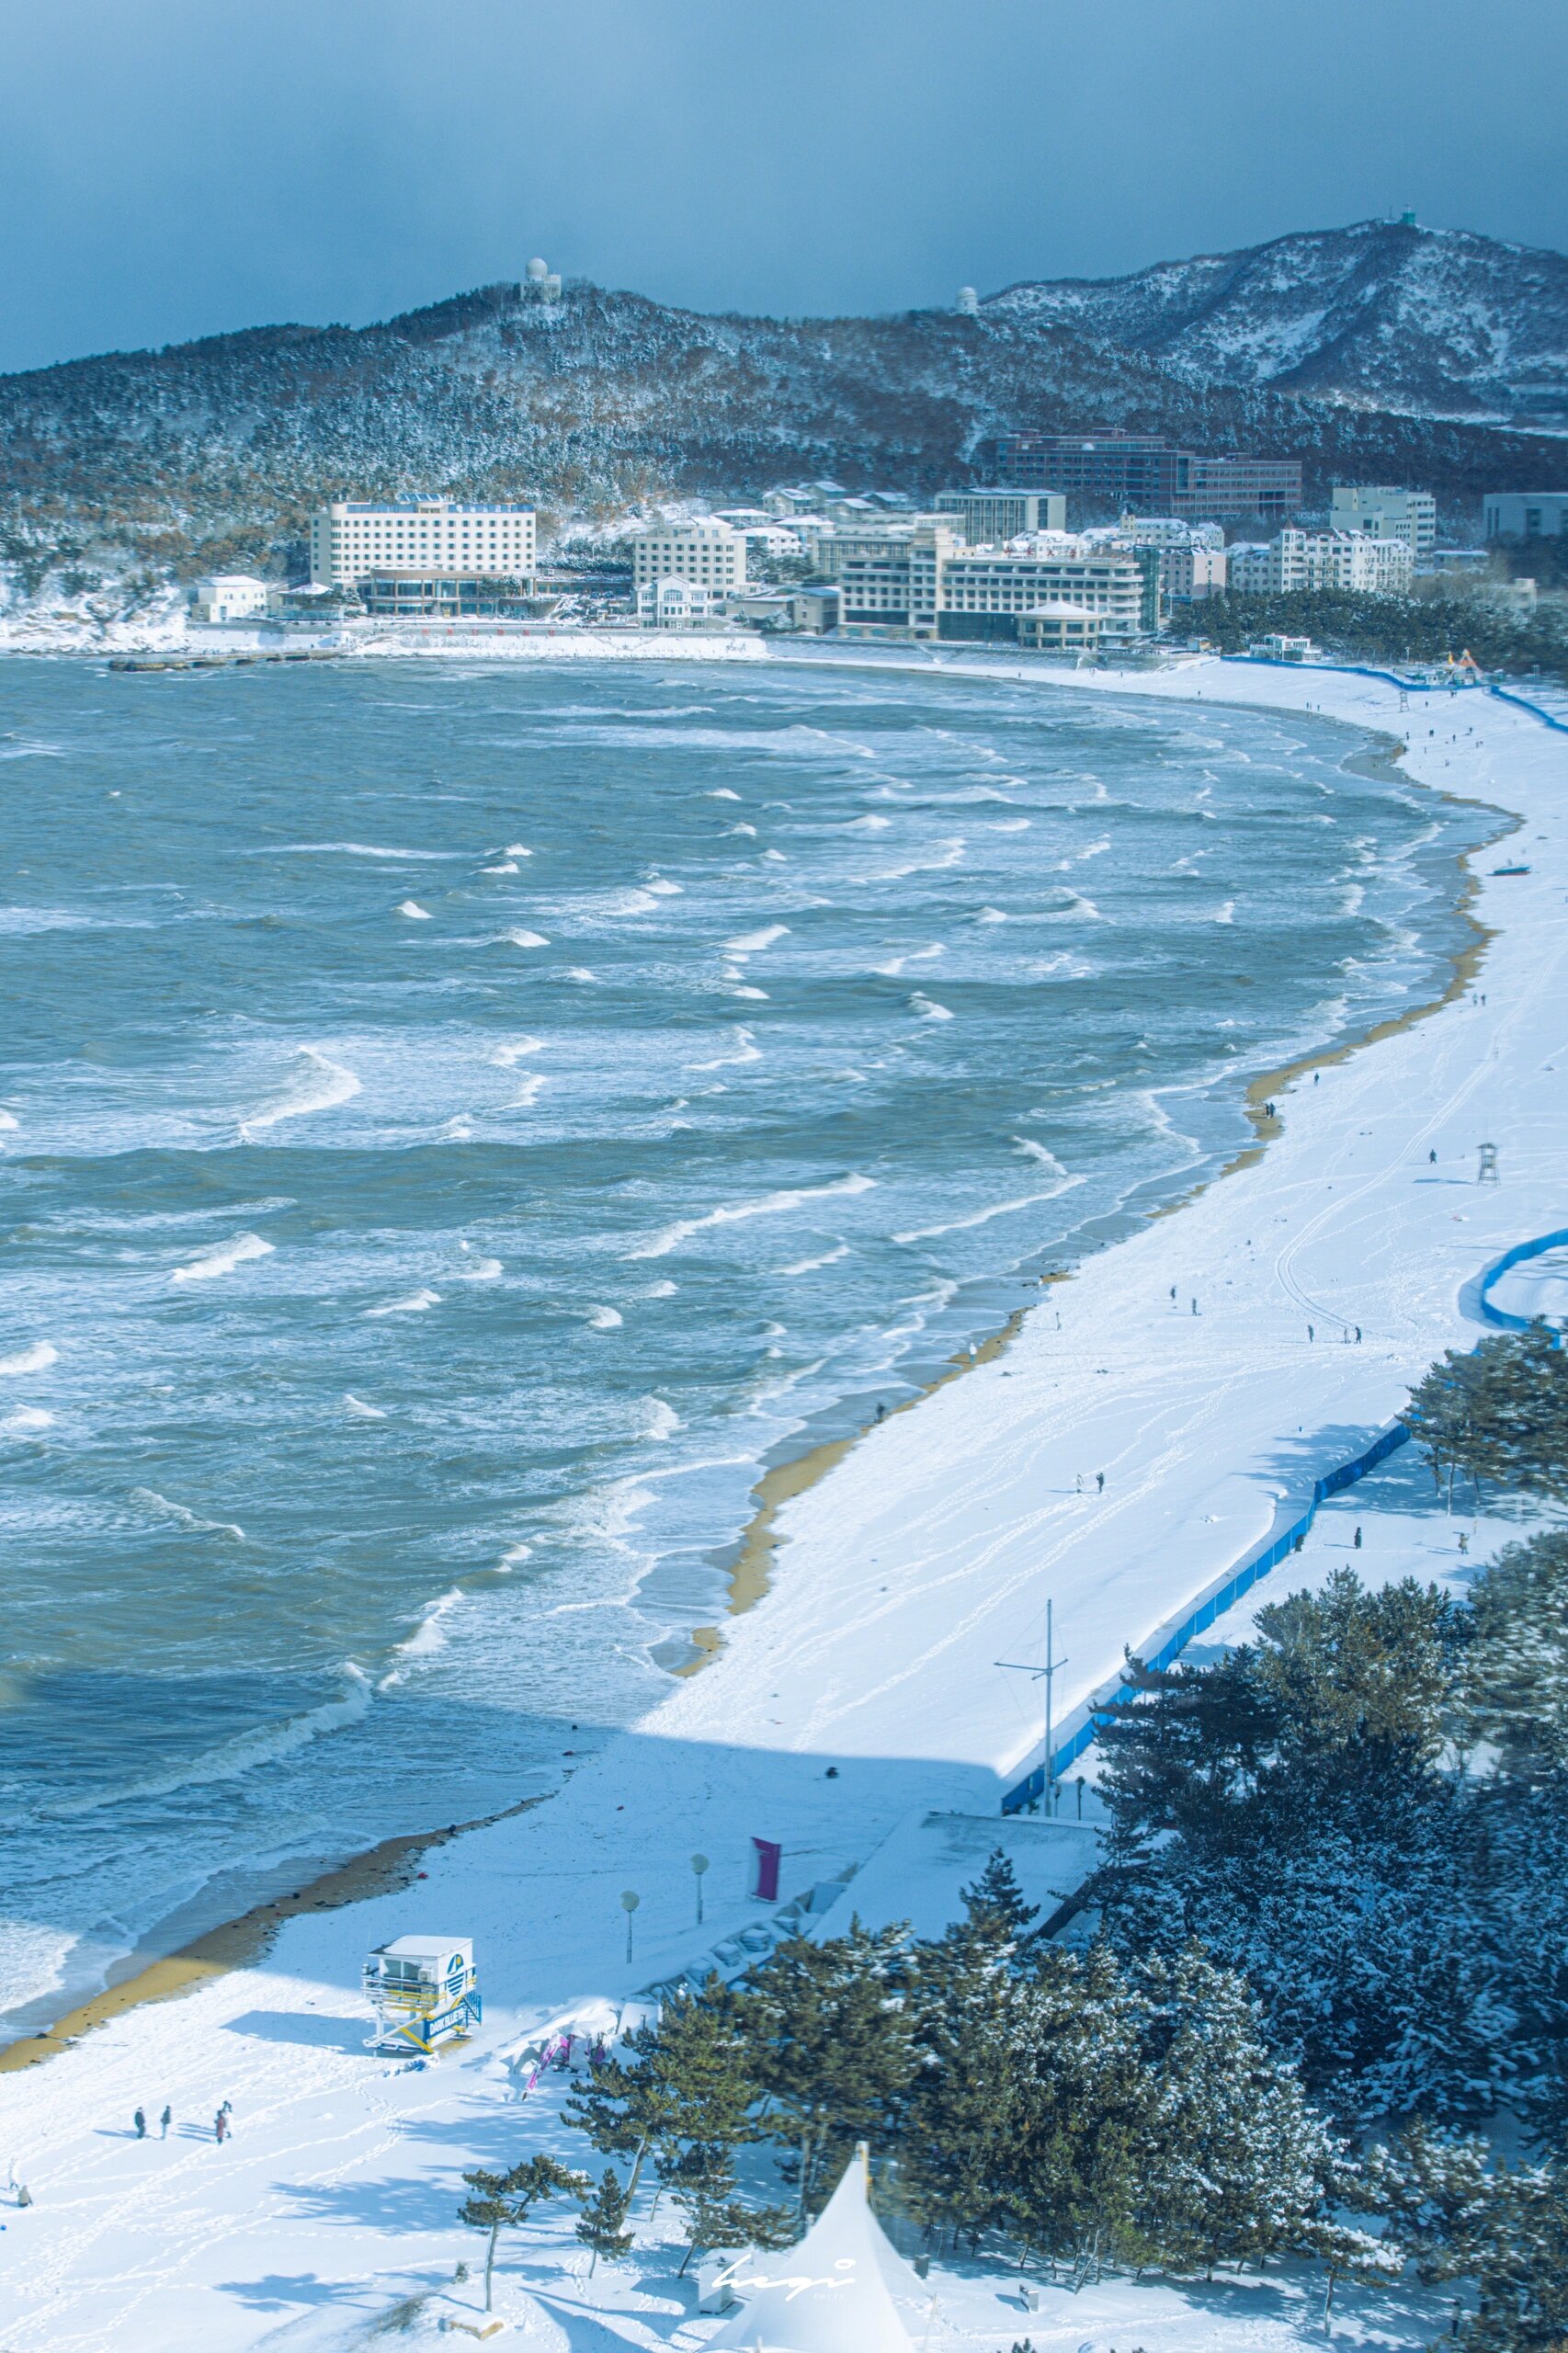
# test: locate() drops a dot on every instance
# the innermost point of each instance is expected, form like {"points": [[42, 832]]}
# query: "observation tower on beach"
{"points": [[424, 1992]]}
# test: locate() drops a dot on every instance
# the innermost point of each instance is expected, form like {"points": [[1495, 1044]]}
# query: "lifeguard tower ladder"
{"points": [[424, 1992]]}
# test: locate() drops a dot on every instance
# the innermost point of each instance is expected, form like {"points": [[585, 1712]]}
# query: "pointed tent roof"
{"points": [[833, 2292]]}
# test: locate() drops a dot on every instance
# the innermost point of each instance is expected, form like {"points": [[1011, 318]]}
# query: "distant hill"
{"points": [[1435, 321], [1371, 351]]}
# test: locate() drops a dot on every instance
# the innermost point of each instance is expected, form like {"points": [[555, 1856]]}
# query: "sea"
{"points": [[460, 1123]]}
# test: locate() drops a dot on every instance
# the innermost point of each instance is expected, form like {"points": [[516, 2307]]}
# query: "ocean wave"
{"points": [[38, 1359], [871, 824], [414, 1303], [25, 1421], [604, 1319], [518, 937], [321, 1087], [242, 1754], [507, 866], [530, 1095], [429, 1635], [989, 915], [749, 831], [1039, 1152], [1227, 914], [480, 1271], [983, 1217], [150, 1500], [663, 889], [353, 849], [928, 1009], [504, 1056], [413, 910], [810, 1266], [581, 973], [746, 1051], [752, 943], [657, 1419], [670, 1237], [519, 849], [637, 900], [359, 1411], [1006, 824], [949, 853], [758, 996], [721, 792], [223, 1260]]}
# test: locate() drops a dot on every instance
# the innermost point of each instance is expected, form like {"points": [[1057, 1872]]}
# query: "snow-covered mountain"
{"points": [[1434, 320], [213, 452]]}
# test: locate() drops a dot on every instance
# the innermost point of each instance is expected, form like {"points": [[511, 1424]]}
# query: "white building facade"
{"points": [[229, 597], [1525, 514], [1340, 560], [709, 553], [674, 603], [930, 584], [991, 517], [1382, 514], [353, 538]]}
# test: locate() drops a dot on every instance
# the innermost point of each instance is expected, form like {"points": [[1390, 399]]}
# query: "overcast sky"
{"points": [[173, 169]]}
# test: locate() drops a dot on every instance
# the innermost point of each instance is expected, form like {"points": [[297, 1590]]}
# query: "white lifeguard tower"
{"points": [[424, 1992]]}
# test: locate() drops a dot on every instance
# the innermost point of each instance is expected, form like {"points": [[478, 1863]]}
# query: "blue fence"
{"points": [[1499, 1267], [1409, 685], [1213, 1604]]}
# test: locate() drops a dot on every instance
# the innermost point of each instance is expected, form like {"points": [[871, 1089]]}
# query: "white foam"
{"points": [[519, 849], [359, 1411], [581, 973], [662, 889], [236, 1758], [9, 1121], [721, 792], [518, 937], [1227, 914], [413, 1304], [515, 1556], [1006, 824], [320, 1087], [353, 849], [635, 901], [429, 1635], [928, 1009], [223, 1260], [504, 1056], [25, 1420], [483, 1270], [745, 1052], [758, 995], [990, 915], [658, 1419], [38, 1359], [1039, 1152], [872, 824], [670, 1237], [983, 1217], [507, 866], [810, 1266], [150, 1500], [604, 1319], [526, 1100], [664, 1289], [749, 831], [752, 943], [413, 910]]}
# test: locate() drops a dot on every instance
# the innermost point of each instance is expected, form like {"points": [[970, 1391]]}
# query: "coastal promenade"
{"points": [[1209, 1366]]}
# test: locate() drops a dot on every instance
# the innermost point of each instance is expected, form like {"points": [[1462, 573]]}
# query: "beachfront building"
{"points": [[929, 582], [1191, 571], [229, 597], [1340, 560], [440, 538], [1525, 515], [674, 603], [1407, 514], [1110, 471], [709, 553], [991, 518], [1060, 628]]}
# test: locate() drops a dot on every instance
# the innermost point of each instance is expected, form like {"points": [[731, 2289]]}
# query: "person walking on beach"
{"points": [[221, 2126], [139, 2121], [1358, 1544], [1310, 1334], [167, 2119], [1099, 1478]]}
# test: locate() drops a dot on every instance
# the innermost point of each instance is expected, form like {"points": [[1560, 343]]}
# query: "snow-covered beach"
{"points": [[1209, 1366]]}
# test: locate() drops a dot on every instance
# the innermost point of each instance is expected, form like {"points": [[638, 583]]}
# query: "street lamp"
{"points": [[700, 1864], [628, 1903]]}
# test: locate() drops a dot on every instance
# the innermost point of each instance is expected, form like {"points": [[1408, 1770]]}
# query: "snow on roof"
{"points": [[425, 1948], [833, 2292]]}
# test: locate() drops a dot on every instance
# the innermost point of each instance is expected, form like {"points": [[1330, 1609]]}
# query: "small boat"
{"points": [[1510, 869]]}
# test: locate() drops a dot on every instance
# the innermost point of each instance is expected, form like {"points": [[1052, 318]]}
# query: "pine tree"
{"points": [[1067, 2172], [499, 2202], [602, 2223], [1521, 2269], [703, 2183], [831, 2025], [1515, 1672], [1499, 1413], [688, 2077]]}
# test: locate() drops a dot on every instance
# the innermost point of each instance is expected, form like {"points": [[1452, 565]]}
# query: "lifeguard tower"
{"points": [[424, 1992]]}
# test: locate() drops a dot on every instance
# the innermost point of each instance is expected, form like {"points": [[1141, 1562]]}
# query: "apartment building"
{"points": [[1112, 470], [1382, 514], [1340, 560], [709, 553], [1192, 570], [1525, 515], [354, 538], [991, 518]]}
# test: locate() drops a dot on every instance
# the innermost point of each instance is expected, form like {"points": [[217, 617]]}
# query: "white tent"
{"points": [[833, 2292]]}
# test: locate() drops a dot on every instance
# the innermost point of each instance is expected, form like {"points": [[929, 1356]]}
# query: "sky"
{"points": [[174, 169]]}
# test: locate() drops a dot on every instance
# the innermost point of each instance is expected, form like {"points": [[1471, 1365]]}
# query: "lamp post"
{"points": [[628, 1903], [699, 1865]]}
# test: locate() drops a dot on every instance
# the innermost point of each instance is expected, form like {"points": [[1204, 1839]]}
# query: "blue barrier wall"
{"points": [[1514, 1258], [1213, 1604], [1407, 686]]}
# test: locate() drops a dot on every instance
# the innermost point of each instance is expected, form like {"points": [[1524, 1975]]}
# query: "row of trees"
{"points": [[1393, 629]]}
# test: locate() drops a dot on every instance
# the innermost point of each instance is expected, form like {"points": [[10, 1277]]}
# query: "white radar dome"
{"points": [[969, 302], [537, 270]]}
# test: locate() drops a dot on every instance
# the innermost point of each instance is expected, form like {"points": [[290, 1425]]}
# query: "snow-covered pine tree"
{"points": [[1066, 2171], [1234, 2167], [830, 2027], [602, 2223], [501, 2201], [1516, 1671], [688, 2078], [703, 2183]]}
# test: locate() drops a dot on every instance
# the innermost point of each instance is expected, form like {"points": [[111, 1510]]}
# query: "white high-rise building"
{"points": [[354, 539], [710, 554], [1340, 560], [1407, 514]]}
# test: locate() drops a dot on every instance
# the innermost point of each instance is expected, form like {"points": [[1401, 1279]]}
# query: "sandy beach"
{"points": [[1209, 1365]]}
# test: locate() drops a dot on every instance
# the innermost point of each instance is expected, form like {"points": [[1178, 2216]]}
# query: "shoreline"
{"points": [[245, 1940]]}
